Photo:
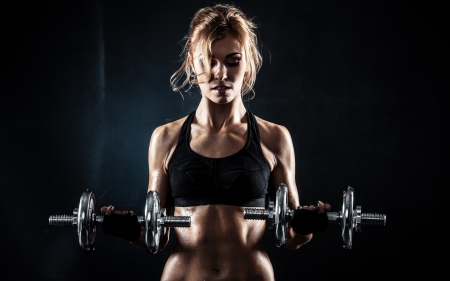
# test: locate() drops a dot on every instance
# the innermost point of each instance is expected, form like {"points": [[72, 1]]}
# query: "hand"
{"points": [[321, 207], [108, 210], [310, 219], [123, 224]]}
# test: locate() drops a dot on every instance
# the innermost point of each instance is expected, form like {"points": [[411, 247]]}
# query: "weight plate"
{"points": [[152, 208], [347, 218], [281, 222], [86, 227]]}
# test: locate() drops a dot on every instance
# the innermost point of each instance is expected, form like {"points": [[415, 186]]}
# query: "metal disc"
{"points": [[86, 227], [152, 208], [281, 222], [347, 218]]}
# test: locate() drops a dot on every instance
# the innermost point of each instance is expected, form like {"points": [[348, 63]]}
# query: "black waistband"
{"points": [[188, 202]]}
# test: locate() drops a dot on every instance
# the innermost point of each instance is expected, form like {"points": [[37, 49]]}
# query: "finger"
{"points": [[106, 210], [124, 213], [320, 207], [117, 212], [312, 208], [131, 213], [323, 207]]}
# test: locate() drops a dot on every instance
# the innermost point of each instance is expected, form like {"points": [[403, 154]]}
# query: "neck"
{"points": [[220, 115]]}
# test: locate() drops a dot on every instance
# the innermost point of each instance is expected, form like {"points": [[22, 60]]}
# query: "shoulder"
{"points": [[273, 135], [168, 129], [163, 143], [167, 135]]}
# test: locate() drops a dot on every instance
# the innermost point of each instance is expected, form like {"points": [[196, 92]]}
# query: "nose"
{"points": [[219, 72]]}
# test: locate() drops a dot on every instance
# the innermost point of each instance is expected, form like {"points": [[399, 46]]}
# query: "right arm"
{"points": [[162, 144]]}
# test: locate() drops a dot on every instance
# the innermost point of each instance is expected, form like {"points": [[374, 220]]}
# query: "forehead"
{"points": [[221, 47]]}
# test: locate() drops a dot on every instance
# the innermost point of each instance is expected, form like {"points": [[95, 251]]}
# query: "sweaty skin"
{"points": [[220, 241], [221, 244]]}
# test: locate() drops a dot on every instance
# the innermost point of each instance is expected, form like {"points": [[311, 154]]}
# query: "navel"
{"points": [[216, 270]]}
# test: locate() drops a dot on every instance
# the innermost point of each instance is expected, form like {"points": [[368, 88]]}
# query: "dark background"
{"points": [[361, 86]]}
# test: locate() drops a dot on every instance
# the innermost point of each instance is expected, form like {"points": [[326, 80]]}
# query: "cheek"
{"points": [[199, 72], [242, 72], [239, 73], [198, 68]]}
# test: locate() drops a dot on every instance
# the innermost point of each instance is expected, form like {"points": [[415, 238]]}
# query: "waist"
{"points": [[218, 227]]}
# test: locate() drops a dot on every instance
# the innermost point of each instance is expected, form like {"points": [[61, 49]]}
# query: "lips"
{"points": [[221, 88]]}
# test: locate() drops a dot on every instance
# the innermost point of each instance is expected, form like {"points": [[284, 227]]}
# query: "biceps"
{"points": [[158, 154], [159, 181], [285, 175]]}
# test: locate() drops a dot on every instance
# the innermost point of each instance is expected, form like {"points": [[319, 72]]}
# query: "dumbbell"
{"points": [[84, 221], [278, 215]]}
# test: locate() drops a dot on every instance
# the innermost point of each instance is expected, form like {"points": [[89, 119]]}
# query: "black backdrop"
{"points": [[359, 84]]}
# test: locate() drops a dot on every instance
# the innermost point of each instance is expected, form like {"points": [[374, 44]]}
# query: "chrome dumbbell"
{"points": [[84, 221], [278, 215]]}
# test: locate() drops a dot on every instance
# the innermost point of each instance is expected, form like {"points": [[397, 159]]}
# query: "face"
{"points": [[227, 70]]}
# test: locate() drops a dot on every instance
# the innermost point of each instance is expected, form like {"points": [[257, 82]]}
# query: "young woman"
{"points": [[221, 158]]}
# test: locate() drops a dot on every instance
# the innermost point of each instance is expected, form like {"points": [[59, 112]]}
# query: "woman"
{"points": [[221, 158]]}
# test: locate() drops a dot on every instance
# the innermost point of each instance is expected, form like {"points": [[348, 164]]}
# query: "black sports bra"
{"points": [[240, 179]]}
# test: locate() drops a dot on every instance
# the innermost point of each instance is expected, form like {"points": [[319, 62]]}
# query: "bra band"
{"points": [[189, 202]]}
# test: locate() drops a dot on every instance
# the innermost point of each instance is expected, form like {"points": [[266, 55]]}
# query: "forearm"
{"points": [[140, 242], [304, 223], [294, 240]]}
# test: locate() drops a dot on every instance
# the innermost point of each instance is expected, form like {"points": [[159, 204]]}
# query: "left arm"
{"points": [[278, 148]]}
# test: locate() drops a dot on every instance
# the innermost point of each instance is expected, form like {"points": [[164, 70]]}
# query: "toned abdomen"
{"points": [[219, 245]]}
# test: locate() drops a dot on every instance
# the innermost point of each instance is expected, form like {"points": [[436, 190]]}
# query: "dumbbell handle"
{"points": [[166, 221], [62, 220], [334, 217], [365, 219]]}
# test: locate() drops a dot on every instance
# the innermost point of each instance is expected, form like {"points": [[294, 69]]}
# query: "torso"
{"points": [[220, 244], [237, 175]]}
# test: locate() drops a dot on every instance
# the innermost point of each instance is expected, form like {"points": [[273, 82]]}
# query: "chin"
{"points": [[222, 100]]}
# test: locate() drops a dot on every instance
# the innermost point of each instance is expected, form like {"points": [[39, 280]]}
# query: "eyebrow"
{"points": [[232, 54]]}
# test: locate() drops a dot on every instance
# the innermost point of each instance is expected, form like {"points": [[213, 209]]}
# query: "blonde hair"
{"points": [[210, 24]]}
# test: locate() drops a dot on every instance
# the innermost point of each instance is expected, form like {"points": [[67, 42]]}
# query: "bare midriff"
{"points": [[219, 245]]}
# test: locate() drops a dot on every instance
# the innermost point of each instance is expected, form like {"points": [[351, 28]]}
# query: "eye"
{"points": [[233, 62]]}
